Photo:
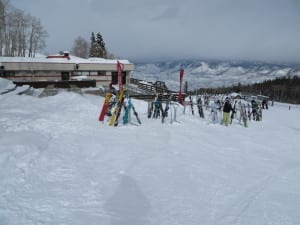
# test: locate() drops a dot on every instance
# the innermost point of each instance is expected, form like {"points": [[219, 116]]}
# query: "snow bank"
{"points": [[6, 84]]}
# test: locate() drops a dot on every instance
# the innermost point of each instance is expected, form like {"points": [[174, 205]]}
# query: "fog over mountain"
{"points": [[212, 73]]}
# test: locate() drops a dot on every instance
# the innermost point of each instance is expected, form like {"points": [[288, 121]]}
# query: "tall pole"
{"points": [[180, 86]]}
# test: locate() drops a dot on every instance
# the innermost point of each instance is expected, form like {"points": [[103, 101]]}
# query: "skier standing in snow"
{"points": [[226, 111], [158, 106], [264, 103]]}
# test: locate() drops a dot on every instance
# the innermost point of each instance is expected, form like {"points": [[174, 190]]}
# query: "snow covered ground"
{"points": [[60, 166]]}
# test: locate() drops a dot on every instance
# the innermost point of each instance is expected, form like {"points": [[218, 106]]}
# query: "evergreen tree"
{"points": [[101, 45], [97, 46], [93, 46]]}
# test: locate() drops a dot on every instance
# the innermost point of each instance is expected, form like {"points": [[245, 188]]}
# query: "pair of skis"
{"points": [[117, 111], [244, 115], [156, 108], [165, 111], [192, 104], [127, 112], [150, 109], [200, 107]]}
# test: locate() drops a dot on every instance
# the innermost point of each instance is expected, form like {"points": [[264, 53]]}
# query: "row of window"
{"points": [[66, 76]]}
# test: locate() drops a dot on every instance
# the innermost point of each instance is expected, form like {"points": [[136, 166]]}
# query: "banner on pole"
{"points": [[180, 99], [120, 68]]}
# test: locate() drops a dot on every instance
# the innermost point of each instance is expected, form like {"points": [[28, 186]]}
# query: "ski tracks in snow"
{"points": [[234, 214], [159, 146], [23, 154]]}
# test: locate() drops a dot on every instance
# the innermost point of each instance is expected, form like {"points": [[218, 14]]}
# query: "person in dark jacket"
{"points": [[226, 111]]}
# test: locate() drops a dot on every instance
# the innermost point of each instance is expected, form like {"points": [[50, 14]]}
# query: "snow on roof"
{"points": [[60, 59], [112, 61]]}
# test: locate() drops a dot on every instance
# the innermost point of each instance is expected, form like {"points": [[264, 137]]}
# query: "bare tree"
{"points": [[80, 48], [16, 32], [37, 36], [10, 32], [19, 31], [110, 55], [2, 24], [22, 35], [3, 17]]}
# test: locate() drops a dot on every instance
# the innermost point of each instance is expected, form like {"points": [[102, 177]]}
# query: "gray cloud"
{"points": [[146, 29]]}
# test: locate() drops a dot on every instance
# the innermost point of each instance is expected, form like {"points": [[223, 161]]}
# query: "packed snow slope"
{"points": [[212, 73], [60, 166]]}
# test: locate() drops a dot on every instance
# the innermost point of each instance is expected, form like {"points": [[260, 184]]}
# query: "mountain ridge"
{"points": [[213, 73]]}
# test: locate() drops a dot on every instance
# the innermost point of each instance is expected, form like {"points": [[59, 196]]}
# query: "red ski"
{"points": [[105, 106], [180, 97]]}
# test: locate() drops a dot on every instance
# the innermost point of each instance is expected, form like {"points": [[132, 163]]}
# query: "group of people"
{"points": [[246, 112], [231, 109]]}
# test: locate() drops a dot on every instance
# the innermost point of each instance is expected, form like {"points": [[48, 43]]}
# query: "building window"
{"points": [[101, 73], [7, 73], [65, 76]]}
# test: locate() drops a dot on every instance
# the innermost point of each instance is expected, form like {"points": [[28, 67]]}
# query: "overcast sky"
{"points": [[162, 29]]}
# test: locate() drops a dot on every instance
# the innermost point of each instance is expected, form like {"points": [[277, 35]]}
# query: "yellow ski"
{"points": [[117, 111]]}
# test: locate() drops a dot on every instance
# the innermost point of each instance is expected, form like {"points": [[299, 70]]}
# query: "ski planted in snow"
{"points": [[244, 115], [105, 106], [150, 109], [112, 103], [127, 110], [117, 111], [165, 111], [200, 107], [157, 106], [136, 114], [192, 104]]}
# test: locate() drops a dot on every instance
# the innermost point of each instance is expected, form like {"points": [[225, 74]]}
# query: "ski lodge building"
{"points": [[63, 68]]}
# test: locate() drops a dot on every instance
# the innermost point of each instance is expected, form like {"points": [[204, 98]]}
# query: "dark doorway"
{"points": [[114, 78], [65, 76]]}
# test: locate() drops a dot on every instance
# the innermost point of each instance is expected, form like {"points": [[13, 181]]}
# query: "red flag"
{"points": [[180, 86], [120, 68], [181, 76]]}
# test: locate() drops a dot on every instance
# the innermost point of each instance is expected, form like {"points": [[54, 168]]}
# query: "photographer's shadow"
{"points": [[128, 205]]}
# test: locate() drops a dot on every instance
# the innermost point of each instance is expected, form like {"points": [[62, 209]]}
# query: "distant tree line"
{"points": [[95, 48], [282, 89], [20, 32]]}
